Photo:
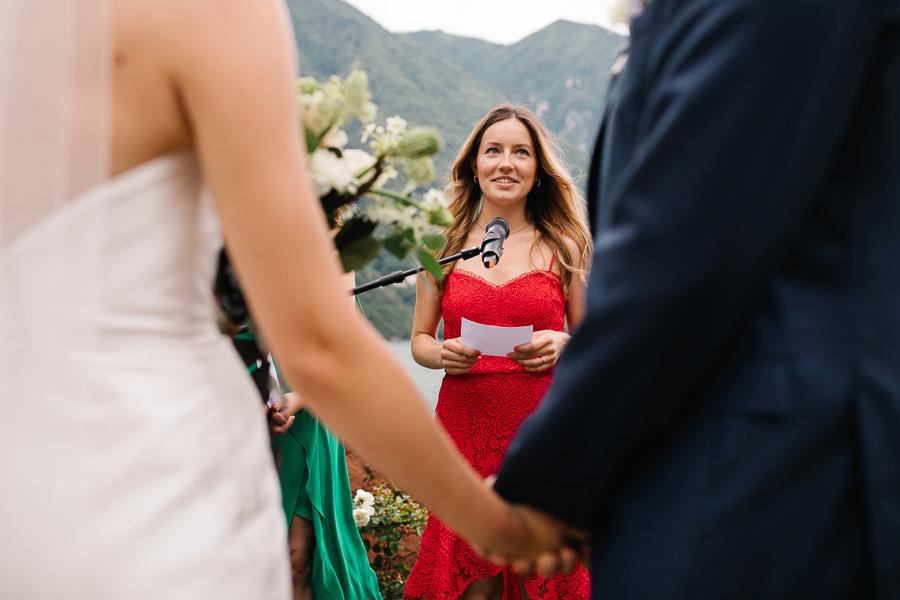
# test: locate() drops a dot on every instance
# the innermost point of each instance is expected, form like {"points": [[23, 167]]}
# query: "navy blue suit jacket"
{"points": [[726, 421]]}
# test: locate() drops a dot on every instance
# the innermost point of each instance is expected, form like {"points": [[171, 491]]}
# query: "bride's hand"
{"points": [[536, 541]]}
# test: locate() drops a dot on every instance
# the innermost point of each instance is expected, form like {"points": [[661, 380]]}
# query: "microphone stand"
{"points": [[398, 276]]}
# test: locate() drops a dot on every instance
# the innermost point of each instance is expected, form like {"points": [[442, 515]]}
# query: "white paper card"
{"points": [[492, 340]]}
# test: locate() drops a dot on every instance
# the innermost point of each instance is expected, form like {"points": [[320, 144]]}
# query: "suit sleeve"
{"points": [[742, 108]]}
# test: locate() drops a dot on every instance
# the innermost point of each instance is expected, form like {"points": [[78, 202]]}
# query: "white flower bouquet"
{"points": [[367, 195]]}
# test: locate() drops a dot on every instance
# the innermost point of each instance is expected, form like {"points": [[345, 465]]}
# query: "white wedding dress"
{"points": [[134, 457]]}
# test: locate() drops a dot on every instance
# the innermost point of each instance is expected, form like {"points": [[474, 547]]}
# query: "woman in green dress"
{"points": [[328, 559]]}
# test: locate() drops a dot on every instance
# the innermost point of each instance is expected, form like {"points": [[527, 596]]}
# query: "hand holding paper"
{"points": [[492, 340]]}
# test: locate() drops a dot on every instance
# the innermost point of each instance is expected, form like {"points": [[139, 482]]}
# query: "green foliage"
{"points": [[355, 243], [396, 516]]}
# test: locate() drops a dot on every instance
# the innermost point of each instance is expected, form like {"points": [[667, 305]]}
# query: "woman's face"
{"points": [[506, 163]]}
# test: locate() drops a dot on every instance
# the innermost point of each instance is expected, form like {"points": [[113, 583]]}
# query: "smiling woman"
{"points": [[507, 168]]}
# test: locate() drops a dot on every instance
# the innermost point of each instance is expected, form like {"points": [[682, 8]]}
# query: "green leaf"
{"points": [[356, 244], [360, 253], [431, 264], [398, 245], [434, 241], [312, 140], [395, 547]]}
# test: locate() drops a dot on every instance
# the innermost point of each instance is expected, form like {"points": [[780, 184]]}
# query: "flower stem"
{"points": [[389, 194]]}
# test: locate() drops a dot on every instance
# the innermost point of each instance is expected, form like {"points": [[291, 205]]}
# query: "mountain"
{"points": [[449, 82], [560, 72]]}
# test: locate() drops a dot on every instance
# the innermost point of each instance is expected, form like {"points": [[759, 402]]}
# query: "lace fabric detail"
{"points": [[481, 411]]}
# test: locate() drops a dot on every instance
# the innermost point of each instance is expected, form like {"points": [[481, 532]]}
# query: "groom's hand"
{"points": [[543, 543], [559, 560]]}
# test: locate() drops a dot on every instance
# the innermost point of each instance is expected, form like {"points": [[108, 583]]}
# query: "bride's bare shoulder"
{"points": [[176, 58]]}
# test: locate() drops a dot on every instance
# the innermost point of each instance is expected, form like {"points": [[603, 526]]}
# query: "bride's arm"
{"points": [[234, 75]]}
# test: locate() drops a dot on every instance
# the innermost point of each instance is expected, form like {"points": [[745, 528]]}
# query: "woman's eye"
{"points": [[491, 151], [522, 152]]}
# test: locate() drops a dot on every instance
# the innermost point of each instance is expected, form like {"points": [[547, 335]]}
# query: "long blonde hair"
{"points": [[556, 207]]}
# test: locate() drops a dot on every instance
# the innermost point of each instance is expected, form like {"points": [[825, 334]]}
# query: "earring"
{"points": [[537, 183], [475, 178]]}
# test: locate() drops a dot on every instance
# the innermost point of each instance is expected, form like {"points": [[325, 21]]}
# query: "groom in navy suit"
{"points": [[726, 421]]}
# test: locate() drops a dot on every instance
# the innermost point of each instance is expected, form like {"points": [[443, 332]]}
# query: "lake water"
{"points": [[427, 380]]}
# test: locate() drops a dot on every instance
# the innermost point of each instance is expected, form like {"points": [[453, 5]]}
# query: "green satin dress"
{"points": [[315, 486]]}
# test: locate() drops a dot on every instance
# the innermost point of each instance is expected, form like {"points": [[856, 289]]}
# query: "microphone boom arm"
{"points": [[398, 276]]}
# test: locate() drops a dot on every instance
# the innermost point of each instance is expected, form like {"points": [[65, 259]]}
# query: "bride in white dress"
{"points": [[134, 459]]}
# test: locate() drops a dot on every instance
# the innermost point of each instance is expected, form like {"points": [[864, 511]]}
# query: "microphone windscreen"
{"points": [[498, 223]]}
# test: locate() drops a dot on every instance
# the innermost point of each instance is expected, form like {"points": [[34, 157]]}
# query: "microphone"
{"points": [[492, 247]]}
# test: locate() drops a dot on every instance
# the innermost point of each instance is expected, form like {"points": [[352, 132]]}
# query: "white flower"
{"points": [[326, 107], [358, 161], [357, 98], [367, 132], [364, 497], [421, 228], [335, 138], [361, 516], [329, 172], [385, 210], [310, 111], [395, 125], [386, 175], [433, 200]]}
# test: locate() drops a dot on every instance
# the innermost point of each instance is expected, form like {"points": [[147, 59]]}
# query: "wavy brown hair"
{"points": [[556, 207]]}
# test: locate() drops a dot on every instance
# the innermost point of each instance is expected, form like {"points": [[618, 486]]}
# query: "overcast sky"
{"points": [[492, 20]]}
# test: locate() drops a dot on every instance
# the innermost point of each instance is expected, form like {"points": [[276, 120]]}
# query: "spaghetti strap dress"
{"points": [[481, 410]]}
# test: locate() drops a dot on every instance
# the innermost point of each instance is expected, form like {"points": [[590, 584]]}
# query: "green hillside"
{"points": [[560, 72]]}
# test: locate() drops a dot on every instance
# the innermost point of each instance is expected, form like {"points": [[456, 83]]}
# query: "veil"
{"points": [[55, 96], [55, 71]]}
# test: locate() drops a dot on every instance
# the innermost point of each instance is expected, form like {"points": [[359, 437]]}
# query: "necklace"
{"points": [[524, 227]]}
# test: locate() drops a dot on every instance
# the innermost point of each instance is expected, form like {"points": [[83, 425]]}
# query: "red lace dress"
{"points": [[481, 410]]}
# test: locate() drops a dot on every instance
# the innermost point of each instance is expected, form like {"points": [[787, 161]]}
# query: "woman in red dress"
{"points": [[509, 168]]}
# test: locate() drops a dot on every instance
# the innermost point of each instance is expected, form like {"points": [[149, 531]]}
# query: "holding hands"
{"points": [[541, 542], [283, 416]]}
